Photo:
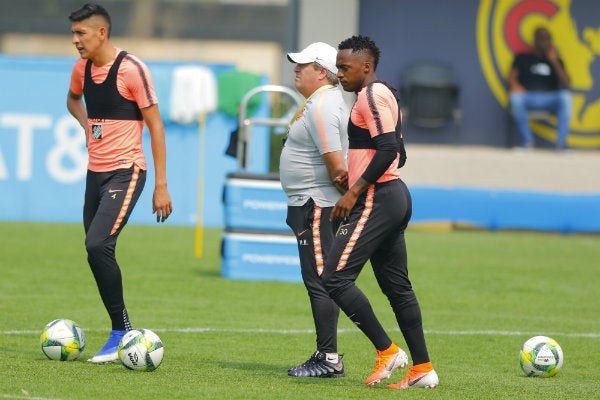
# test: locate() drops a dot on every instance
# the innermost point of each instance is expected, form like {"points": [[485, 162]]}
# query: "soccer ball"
{"points": [[141, 350], [541, 356], [62, 340]]}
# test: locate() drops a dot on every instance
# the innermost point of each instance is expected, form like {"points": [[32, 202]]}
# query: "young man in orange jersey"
{"points": [[375, 212], [119, 99]]}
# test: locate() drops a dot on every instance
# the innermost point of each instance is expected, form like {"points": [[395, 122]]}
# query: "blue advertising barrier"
{"points": [[43, 157], [507, 209], [255, 202]]}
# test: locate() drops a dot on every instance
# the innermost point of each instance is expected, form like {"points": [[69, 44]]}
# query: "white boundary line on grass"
{"points": [[591, 335]]}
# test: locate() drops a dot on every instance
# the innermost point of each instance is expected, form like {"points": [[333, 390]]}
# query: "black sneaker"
{"points": [[317, 366]]}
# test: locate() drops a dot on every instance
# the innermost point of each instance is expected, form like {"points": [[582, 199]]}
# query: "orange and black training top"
{"points": [[114, 95], [375, 112]]}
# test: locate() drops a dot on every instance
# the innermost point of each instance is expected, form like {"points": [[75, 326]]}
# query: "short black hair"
{"points": [[88, 10], [362, 43]]}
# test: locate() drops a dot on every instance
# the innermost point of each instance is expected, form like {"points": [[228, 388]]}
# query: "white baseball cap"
{"points": [[319, 52]]}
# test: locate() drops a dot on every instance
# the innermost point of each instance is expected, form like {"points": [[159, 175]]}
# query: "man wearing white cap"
{"points": [[313, 156]]}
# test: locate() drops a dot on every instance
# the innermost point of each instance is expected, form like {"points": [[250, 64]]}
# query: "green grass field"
{"points": [[482, 295]]}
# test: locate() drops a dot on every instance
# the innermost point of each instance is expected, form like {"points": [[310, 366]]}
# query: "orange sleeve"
{"points": [[76, 85], [376, 110], [135, 82]]}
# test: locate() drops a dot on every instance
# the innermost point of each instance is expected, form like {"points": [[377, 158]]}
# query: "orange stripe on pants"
{"points": [[362, 221], [316, 234], [127, 201]]}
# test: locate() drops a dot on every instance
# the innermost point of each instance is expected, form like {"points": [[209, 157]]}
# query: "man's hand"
{"points": [[341, 182], [345, 204], [161, 203], [552, 54], [343, 207]]}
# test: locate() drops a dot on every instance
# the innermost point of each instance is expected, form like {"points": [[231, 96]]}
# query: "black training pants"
{"points": [[375, 232], [314, 233], [109, 200]]}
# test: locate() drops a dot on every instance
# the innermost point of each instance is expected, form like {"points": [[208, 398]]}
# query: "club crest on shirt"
{"points": [[97, 131]]}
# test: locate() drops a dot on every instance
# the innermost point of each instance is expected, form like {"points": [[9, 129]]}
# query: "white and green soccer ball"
{"points": [[141, 350], [541, 356], [62, 340]]}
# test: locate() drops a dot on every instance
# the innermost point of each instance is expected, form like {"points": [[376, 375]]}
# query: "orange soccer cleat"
{"points": [[387, 361]]}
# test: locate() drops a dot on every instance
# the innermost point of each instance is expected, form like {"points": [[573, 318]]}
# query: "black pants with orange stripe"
{"points": [[109, 200], [375, 232], [314, 233]]}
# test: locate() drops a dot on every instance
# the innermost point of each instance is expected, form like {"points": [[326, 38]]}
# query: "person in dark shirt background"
{"points": [[538, 81]]}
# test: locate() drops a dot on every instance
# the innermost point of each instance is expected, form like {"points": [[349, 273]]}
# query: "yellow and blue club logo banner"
{"points": [[505, 27]]}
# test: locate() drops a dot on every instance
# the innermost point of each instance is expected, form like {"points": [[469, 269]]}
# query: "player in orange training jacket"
{"points": [[375, 212], [119, 99]]}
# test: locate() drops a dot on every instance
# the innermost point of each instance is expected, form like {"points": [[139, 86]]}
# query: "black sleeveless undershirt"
{"points": [[103, 100]]}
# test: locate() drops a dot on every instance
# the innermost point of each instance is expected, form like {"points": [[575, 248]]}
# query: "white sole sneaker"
{"points": [[427, 380], [105, 358]]}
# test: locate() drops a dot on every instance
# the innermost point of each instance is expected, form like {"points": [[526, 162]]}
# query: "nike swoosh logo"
{"points": [[301, 233], [114, 190], [390, 366], [410, 383]]}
